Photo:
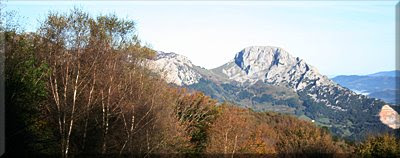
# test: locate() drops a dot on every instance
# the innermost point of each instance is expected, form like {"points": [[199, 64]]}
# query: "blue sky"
{"points": [[344, 37]]}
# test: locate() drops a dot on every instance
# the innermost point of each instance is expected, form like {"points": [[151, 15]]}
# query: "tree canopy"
{"points": [[79, 86]]}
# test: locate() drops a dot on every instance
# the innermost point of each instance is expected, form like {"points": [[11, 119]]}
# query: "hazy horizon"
{"points": [[338, 38]]}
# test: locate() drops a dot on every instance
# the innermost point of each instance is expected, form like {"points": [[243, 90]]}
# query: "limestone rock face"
{"points": [[275, 66], [175, 68], [256, 63], [272, 65], [389, 117]]}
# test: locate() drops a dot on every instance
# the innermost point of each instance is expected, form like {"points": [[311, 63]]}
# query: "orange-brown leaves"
{"points": [[237, 131]]}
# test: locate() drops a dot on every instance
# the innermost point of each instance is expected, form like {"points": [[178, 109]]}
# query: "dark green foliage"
{"points": [[257, 97], [244, 95], [292, 102], [359, 118], [263, 98], [25, 95], [198, 112]]}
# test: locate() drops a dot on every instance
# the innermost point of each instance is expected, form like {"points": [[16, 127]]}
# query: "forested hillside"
{"points": [[79, 86]]}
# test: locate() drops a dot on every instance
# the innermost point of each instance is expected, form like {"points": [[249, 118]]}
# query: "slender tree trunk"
{"points": [[88, 108], [104, 122], [56, 98], [147, 141], [71, 123], [234, 147]]}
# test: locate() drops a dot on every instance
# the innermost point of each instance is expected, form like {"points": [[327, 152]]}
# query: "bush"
{"points": [[379, 146]]}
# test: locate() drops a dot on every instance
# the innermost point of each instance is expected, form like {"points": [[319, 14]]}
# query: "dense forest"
{"points": [[79, 86]]}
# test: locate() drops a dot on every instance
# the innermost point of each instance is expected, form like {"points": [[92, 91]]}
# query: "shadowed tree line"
{"points": [[79, 86]]}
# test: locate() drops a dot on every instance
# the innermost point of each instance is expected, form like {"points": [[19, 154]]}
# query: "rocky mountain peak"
{"points": [[272, 65], [259, 57], [173, 56], [255, 63], [175, 68]]}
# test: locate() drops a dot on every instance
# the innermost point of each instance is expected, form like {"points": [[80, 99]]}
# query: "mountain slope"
{"points": [[270, 79]]}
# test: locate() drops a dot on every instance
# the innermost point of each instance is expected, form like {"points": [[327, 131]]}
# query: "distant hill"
{"points": [[380, 85], [386, 73]]}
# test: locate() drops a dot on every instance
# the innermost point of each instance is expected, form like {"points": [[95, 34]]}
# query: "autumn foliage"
{"points": [[385, 145], [79, 85]]}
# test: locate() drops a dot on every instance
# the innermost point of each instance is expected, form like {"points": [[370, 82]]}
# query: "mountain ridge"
{"points": [[268, 78], [272, 64]]}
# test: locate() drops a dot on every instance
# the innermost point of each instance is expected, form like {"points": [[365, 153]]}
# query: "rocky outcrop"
{"points": [[175, 68], [272, 65], [389, 117]]}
